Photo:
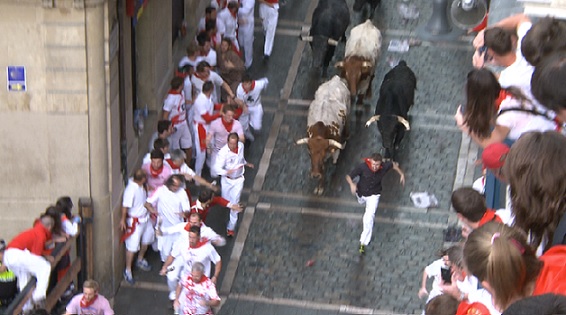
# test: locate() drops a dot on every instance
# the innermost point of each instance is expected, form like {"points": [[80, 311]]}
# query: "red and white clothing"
{"points": [[203, 115], [175, 104], [23, 256], [252, 98], [230, 22], [156, 178], [192, 293], [198, 207], [99, 306], [203, 252], [269, 16], [139, 229], [520, 122], [170, 207], [553, 273], [246, 30], [213, 77], [233, 183], [210, 57], [218, 131]]}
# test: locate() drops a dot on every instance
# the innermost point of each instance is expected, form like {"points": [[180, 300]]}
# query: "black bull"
{"points": [[396, 96], [330, 20]]}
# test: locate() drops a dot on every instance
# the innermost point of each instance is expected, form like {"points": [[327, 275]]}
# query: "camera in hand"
{"points": [[446, 275]]}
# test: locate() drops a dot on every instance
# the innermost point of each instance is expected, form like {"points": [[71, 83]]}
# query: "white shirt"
{"points": [[169, 205], [202, 25], [246, 15], [520, 122], [186, 61], [252, 97], [520, 72], [214, 77], [228, 160], [188, 89], [230, 23], [175, 105], [203, 105], [204, 252], [206, 233], [134, 199], [211, 57]]}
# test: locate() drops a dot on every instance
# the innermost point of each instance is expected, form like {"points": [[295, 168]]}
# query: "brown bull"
{"points": [[327, 126], [362, 51]]}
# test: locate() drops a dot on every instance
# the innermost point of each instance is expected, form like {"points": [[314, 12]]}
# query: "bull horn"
{"points": [[339, 64], [366, 64], [335, 143], [332, 42], [404, 122], [306, 38], [372, 119], [302, 141]]}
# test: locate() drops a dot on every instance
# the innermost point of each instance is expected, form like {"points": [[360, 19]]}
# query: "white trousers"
{"points": [[269, 16], [200, 155], [254, 117], [165, 244], [231, 191], [174, 274], [371, 206], [25, 265], [246, 39], [144, 234], [181, 138]]}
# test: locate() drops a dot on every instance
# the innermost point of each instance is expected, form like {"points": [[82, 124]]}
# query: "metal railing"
{"points": [[77, 270]]}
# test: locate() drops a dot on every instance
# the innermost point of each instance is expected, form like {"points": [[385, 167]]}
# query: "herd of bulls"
{"points": [[328, 117]]}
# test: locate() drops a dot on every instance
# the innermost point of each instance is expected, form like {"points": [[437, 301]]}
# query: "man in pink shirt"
{"points": [[157, 172], [89, 302]]}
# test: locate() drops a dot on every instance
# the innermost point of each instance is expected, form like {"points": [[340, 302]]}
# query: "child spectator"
{"points": [[443, 304]]}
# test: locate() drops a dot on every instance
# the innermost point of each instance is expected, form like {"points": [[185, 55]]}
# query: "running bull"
{"points": [[330, 20], [362, 51], [327, 126], [396, 96]]}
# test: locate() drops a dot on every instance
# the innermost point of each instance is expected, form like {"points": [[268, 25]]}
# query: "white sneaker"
{"points": [[172, 296]]}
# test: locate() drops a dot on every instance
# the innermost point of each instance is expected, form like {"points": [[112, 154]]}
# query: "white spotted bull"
{"points": [[358, 67], [327, 126]]}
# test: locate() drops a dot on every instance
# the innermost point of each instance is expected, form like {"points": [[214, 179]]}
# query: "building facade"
{"points": [[76, 71]]}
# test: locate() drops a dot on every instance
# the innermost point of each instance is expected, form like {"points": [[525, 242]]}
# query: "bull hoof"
{"points": [[318, 191]]}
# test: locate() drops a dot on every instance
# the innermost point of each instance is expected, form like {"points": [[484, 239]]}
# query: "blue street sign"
{"points": [[16, 78]]}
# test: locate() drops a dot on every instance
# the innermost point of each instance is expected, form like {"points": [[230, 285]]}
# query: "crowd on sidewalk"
{"points": [[213, 108], [511, 260]]}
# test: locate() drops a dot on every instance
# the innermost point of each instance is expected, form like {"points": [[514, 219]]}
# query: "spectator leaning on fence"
{"points": [[24, 257]]}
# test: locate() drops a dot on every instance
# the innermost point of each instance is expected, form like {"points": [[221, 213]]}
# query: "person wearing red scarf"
{"points": [[190, 250], [174, 109], [229, 17], [471, 209], [368, 190], [157, 172], [89, 302], [219, 130], [230, 164], [249, 91], [196, 293], [203, 116]]}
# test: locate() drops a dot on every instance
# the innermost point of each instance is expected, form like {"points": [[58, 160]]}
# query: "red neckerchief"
{"points": [[489, 216], [171, 91], [251, 87], [173, 165], [368, 163], [234, 14], [155, 173], [202, 78], [235, 150], [85, 303], [502, 95], [199, 244], [227, 125]]}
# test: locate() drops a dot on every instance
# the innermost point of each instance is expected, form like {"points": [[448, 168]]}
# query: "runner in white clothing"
{"points": [[219, 130], [188, 251], [246, 30], [135, 224], [203, 73], [203, 116], [229, 17], [174, 109], [249, 91], [171, 206], [230, 164]]}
